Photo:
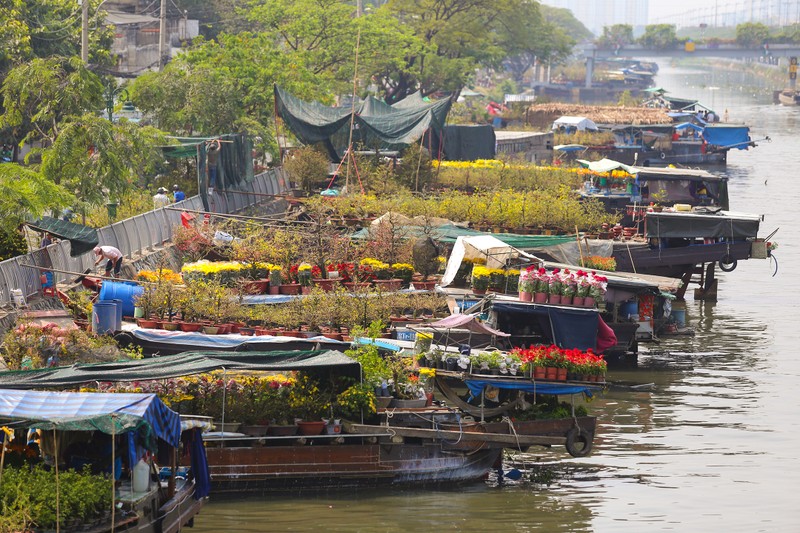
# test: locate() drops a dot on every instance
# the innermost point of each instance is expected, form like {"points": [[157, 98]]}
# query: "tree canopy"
{"points": [[659, 36]]}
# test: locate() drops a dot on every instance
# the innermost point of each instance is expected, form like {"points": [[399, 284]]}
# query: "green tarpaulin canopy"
{"points": [[184, 364], [376, 124], [81, 238], [449, 233]]}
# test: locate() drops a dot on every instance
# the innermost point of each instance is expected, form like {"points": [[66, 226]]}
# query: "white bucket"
{"points": [[18, 298]]}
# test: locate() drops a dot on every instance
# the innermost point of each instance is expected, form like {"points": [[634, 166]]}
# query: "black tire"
{"points": [[579, 442], [663, 155], [124, 339], [726, 264]]}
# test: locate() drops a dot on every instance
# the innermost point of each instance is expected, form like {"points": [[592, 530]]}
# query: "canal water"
{"points": [[701, 436]]}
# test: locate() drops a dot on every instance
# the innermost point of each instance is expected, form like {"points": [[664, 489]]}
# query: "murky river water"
{"points": [[710, 446]]}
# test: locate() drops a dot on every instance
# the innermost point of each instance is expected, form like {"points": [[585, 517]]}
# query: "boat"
{"points": [[141, 505], [163, 342], [789, 97], [408, 445]]}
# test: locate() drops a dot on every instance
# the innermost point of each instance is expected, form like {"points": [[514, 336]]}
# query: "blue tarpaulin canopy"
{"points": [[727, 136], [89, 411], [571, 328], [685, 125], [477, 385]]}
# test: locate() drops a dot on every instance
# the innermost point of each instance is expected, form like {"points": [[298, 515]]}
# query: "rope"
{"points": [[513, 430]]}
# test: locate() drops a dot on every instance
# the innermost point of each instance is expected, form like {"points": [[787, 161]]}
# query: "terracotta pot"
{"points": [[425, 285], [588, 301], [305, 289], [274, 289], [282, 431], [554, 299], [315, 427], [255, 287], [561, 375], [290, 288], [246, 331], [389, 285], [170, 326], [566, 300], [525, 296], [578, 301], [539, 372], [224, 329], [191, 327], [540, 297], [550, 372], [478, 291], [354, 286], [211, 330], [146, 323], [326, 285]]}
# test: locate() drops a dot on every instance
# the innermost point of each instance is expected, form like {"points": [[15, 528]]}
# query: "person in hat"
{"points": [[114, 257], [160, 199], [177, 193]]}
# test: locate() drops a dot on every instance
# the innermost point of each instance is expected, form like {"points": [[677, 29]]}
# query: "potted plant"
{"points": [[147, 301], [304, 277], [275, 279], [480, 279], [310, 402], [425, 255]]}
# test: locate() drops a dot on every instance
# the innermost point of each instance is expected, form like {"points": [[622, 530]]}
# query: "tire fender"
{"points": [[575, 436], [726, 264], [663, 155]]}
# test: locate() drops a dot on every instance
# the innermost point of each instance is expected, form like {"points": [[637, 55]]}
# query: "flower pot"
{"points": [[255, 287], [566, 300], [588, 301], [525, 296], [326, 285], [246, 331], [138, 312], [227, 427], [561, 374], [382, 402], [282, 430], [554, 299], [290, 288], [425, 285], [315, 427], [539, 372], [478, 291], [305, 289], [274, 289], [210, 330], [170, 326], [540, 297], [389, 285], [191, 327], [551, 372], [334, 427], [409, 404], [578, 301], [353, 286], [223, 329], [255, 430], [147, 323]]}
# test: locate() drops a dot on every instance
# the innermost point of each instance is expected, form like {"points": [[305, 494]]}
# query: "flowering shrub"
{"points": [[480, 277], [601, 263], [403, 271], [157, 276], [226, 272], [355, 400], [380, 269], [573, 360]]}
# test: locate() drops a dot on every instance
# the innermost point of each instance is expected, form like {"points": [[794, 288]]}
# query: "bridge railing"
{"points": [[134, 235]]}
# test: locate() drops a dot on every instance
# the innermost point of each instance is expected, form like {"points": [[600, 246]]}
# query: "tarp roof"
{"points": [[184, 364], [581, 123], [727, 136], [449, 233], [466, 321], [89, 411], [571, 327], [724, 224], [374, 122], [81, 238], [487, 247]]}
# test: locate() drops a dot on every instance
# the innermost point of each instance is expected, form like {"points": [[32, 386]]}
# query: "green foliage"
{"points": [[615, 36], [415, 172], [25, 193], [40, 94], [752, 34], [375, 368], [547, 408], [308, 167], [626, 99], [96, 159], [659, 36], [12, 243]]}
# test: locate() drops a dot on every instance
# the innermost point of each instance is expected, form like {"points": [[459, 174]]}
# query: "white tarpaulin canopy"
{"points": [[495, 252], [579, 123]]}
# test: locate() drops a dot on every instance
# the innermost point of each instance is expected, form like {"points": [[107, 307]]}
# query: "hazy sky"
{"points": [[662, 8]]}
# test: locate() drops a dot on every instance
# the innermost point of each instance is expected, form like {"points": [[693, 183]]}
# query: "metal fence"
{"points": [[134, 235]]}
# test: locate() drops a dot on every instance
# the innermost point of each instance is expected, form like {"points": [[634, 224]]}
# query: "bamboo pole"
{"points": [[58, 486], [349, 153], [580, 249]]}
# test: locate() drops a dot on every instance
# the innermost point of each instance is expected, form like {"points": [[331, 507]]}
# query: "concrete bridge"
{"points": [[592, 53]]}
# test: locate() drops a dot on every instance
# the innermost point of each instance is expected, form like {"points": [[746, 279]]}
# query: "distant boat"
{"points": [[789, 97]]}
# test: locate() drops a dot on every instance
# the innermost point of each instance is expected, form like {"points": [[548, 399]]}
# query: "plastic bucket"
{"points": [[628, 308], [678, 314], [46, 279], [104, 317], [118, 315], [118, 290]]}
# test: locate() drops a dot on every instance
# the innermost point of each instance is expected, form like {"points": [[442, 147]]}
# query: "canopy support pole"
{"points": [[58, 486], [114, 473]]}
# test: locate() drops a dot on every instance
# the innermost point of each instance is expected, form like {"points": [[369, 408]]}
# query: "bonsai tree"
{"points": [[307, 167], [426, 257]]}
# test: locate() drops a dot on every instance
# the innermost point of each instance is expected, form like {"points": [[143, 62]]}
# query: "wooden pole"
{"points": [[580, 249], [349, 152]]}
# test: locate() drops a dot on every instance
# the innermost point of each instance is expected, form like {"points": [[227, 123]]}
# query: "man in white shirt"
{"points": [[114, 257], [161, 199]]}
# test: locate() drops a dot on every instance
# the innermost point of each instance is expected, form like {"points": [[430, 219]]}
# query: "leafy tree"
{"points": [[752, 34], [659, 36], [564, 20], [95, 159], [616, 36], [25, 193], [40, 94]]}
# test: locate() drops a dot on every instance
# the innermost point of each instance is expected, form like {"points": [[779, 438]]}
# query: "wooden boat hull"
{"points": [[323, 466], [789, 98], [673, 262]]}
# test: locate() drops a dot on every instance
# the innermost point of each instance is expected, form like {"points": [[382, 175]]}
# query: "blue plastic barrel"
{"points": [[120, 290], [628, 308], [118, 315], [104, 317]]}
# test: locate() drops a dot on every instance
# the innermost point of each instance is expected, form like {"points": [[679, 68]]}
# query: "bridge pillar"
{"points": [[589, 71]]}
